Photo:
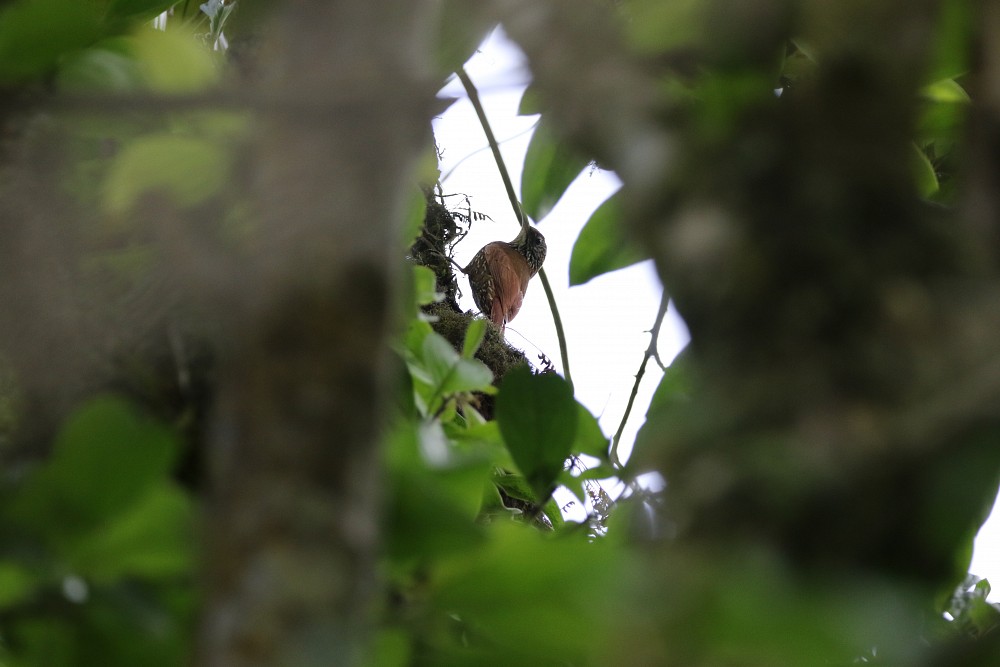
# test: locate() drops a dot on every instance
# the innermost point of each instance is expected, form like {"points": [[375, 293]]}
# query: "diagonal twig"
{"points": [[651, 352]]}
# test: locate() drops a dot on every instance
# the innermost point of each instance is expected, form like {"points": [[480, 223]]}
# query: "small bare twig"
{"points": [[651, 351]]}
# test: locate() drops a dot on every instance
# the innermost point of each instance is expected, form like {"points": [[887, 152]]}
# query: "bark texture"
{"points": [[293, 522]]}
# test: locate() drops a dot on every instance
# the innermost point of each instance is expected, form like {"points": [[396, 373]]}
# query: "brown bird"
{"points": [[500, 271]]}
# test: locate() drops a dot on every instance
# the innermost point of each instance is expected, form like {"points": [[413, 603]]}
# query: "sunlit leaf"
{"points": [[946, 90], [538, 418], [439, 357], [602, 245], [470, 375], [451, 373], [174, 61], [424, 286], [549, 167], [474, 336], [481, 439], [416, 211]]}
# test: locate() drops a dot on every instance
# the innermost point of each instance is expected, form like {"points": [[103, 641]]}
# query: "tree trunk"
{"points": [[293, 521]]}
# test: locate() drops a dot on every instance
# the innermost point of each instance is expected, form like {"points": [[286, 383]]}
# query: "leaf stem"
{"points": [[477, 104], [557, 321], [651, 352]]}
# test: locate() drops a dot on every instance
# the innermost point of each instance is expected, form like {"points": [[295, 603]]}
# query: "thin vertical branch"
{"points": [[473, 93]]}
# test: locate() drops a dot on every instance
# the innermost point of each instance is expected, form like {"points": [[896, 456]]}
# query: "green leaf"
{"points": [[438, 371], [474, 336], [946, 91], [416, 211], [482, 439], [675, 385], [469, 375], [514, 485], [463, 27], [530, 104], [522, 595], [538, 418], [16, 585], [671, 400], [390, 648], [424, 286], [413, 345], [432, 504], [153, 538], [174, 61], [923, 171], [439, 357], [413, 340], [99, 69], [655, 26], [590, 439], [940, 122], [187, 169], [424, 519], [955, 29], [105, 459], [554, 514], [449, 372], [602, 245], [34, 34], [549, 168]]}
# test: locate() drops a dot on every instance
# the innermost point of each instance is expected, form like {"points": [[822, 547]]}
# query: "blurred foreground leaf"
{"points": [[602, 246], [186, 169], [34, 34], [550, 165]]}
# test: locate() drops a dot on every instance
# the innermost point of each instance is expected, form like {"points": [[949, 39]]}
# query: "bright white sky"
{"points": [[606, 320]]}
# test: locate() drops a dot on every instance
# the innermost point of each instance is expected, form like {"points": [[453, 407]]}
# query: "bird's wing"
{"points": [[504, 263]]}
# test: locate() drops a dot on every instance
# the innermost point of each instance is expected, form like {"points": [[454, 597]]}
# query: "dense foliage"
{"points": [[243, 422]]}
